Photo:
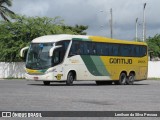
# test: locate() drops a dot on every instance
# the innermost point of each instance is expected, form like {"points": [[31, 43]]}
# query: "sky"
{"points": [[96, 15]]}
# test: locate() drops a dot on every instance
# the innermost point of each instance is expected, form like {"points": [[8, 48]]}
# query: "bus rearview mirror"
{"points": [[52, 50], [23, 51]]}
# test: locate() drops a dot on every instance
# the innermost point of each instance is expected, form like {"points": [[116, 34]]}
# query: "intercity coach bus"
{"points": [[71, 58]]}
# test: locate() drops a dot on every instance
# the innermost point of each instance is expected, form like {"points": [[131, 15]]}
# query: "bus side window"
{"points": [[99, 49], [110, 52], [105, 49], [137, 53], [143, 51], [94, 48], [87, 48], [114, 50], [79, 48], [132, 51], [76, 48], [103, 52], [125, 50], [73, 49]]}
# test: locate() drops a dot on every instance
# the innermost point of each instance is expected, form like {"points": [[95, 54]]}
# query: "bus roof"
{"points": [[110, 40], [56, 38]]}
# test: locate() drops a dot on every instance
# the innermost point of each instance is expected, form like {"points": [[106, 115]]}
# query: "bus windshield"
{"points": [[38, 56]]}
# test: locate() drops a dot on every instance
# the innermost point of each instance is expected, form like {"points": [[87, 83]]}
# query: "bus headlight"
{"points": [[51, 70]]}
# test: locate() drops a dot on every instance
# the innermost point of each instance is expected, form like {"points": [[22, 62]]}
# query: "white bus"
{"points": [[76, 57]]}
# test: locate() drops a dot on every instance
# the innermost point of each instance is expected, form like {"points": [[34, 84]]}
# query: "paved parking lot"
{"points": [[22, 95]]}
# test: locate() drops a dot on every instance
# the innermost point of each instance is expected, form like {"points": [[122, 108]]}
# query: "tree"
{"points": [[4, 11], [19, 33], [79, 29], [154, 45]]}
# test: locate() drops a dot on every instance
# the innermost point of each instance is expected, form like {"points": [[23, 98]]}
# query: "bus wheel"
{"points": [[46, 82], [122, 79], [70, 79], [130, 79]]}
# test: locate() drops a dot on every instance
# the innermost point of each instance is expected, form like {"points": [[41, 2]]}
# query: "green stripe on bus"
{"points": [[95, 65], [81, 39], [90, 65], [100, 65]]}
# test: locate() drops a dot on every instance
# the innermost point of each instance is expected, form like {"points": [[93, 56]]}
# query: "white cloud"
{"points": [[87, 12], [35, 8]]}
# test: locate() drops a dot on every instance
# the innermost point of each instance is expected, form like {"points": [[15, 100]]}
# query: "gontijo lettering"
{"points": [[120, 61]]}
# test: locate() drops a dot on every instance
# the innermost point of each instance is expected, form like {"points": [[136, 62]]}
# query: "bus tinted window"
{"points": [[115, 50], [77, 48], [125, 50], [99, 49], [94, 48], [88, 48], [107, 49], [59, 53]]}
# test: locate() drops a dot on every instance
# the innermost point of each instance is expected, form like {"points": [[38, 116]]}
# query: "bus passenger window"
{"points": [[87, 48], [115, 50], [99, 49], [78, 51], [94, 49], [76, 48]]}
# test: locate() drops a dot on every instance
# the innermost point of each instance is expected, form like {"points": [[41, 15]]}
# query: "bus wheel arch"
{"points": [[71, 77], [131, 78]]}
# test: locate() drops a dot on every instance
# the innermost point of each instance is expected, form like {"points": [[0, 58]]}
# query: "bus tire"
{"points": [[122, 79], [130, 79], [46, 82], [70, 79]]}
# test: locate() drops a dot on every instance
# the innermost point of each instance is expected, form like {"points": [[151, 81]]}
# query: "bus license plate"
{"points": [[35, 78]]}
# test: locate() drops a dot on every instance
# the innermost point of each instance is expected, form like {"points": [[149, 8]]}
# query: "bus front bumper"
{"points": [[44, 77]]}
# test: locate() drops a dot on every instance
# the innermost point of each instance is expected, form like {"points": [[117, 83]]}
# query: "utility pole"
{"points": [[111, 21], [144, 23], [136, 29]]}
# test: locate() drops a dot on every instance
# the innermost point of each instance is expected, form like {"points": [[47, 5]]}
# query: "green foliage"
{"points": [[78, 29], [154, 45], [19, 33], [4, 11]]}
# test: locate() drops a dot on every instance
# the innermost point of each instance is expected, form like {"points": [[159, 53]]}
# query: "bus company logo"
{"points": [[120, 61], [6, 114]]}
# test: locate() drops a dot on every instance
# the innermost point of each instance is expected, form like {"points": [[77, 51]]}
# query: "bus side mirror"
{"points": [[23, 52], [52, 50]]}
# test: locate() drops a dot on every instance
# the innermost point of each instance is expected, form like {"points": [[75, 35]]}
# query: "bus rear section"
{"points": [[108, 61]]}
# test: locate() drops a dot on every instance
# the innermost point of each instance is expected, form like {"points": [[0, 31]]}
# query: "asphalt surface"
{"points": [[22, 95]]}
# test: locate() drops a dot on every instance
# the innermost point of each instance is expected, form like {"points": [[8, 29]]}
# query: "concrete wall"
{"points": [[12, 70], [16, 70], [154, 69]]}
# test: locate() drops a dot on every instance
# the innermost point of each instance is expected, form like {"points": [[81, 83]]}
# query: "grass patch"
{"points": [[12, 78], [153, 78]]}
